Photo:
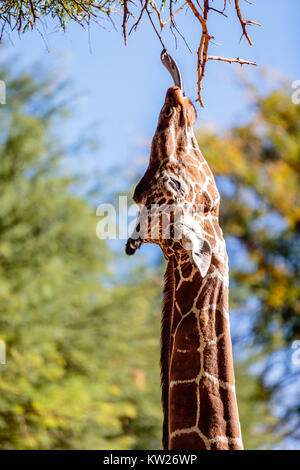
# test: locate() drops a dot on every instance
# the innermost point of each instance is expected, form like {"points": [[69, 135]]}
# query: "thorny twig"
{"points": [[202, 16], [161, 22], [231, 61], [201, 12], [125, 18], [140, 17], [244, 23], [154, 27]]}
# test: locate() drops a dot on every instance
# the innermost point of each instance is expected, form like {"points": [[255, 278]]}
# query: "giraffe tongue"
{"points": [[173, 69]]}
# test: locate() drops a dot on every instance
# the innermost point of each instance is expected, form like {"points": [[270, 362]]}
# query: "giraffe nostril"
{"points": [[176, 183]]}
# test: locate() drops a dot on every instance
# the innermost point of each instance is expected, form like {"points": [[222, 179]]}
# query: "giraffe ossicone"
{"points": [[198, 392]]}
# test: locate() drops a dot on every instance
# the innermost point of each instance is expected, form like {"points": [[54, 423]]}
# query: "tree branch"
{"points": [[231, 61], [24, 14], [244, 23]]}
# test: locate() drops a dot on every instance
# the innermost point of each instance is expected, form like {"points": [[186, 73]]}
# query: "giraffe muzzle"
{"points": [[132, 245]]}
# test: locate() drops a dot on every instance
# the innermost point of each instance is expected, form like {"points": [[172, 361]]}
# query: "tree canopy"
{"points": [[71, 379]]}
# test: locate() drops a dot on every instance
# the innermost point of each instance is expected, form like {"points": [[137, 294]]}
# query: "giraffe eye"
{"points": [[168, 111], [176, 184]]}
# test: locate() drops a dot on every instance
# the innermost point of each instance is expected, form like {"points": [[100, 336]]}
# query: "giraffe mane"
{"points": [[168, 305]]}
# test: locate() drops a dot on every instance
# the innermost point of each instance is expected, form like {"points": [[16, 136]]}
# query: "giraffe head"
{"points": [[177, 192], [162, 180]]}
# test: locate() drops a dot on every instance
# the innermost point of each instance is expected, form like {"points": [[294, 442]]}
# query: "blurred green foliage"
{"points": [[82, 346], [82, 359]]}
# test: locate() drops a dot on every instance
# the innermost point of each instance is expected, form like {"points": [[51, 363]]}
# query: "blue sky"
{"points": [[122, 88]]}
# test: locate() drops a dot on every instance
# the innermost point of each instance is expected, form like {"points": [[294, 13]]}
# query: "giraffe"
{"points": [[178, 210]]}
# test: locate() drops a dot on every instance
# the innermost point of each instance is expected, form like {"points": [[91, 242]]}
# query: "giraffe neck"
{"points": [[199, 401]]}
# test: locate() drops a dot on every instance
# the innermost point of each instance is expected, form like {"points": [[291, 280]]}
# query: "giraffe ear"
{"points": [[190, 112], [201, 253]]}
